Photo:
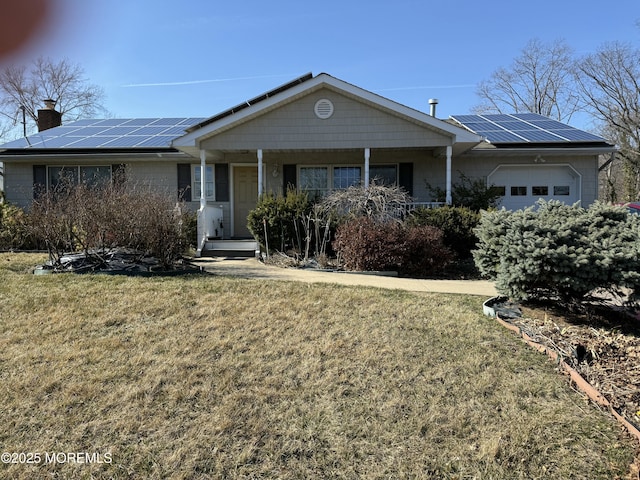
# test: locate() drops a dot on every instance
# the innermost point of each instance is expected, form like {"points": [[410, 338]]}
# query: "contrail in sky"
{"points": [[196, 82]]}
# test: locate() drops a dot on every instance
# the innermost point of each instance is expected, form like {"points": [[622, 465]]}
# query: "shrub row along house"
{"points": [[315, 133]]}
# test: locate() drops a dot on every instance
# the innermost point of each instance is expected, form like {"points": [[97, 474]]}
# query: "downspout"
{"points": [[367, 155], [448, 198], [260, 172]]}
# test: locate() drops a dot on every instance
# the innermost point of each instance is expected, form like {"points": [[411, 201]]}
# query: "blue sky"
{"points": [[199, 57]]}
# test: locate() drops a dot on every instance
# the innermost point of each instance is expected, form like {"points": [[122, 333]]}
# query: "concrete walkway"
{"points": [[252, 268]]}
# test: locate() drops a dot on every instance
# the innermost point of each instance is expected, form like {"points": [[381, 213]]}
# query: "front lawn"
{"points": [[211, 377]]}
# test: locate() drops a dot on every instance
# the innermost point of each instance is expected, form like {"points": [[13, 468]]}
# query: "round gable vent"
{"points": [[323, 108]]}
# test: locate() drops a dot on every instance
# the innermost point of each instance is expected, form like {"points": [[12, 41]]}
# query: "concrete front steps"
{"points": [[231, 248]]}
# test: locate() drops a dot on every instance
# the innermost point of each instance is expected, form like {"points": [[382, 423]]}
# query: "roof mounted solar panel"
{"points": [[108, 133], [157, 141], [540, 136], [92, 142], [524, 128], [578, 135], [85, 121]]}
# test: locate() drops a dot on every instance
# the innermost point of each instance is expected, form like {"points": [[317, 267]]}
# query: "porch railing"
{"points": [[415, 205]]}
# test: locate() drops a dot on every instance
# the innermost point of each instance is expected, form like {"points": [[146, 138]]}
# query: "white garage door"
{"points": [[523, 185]]}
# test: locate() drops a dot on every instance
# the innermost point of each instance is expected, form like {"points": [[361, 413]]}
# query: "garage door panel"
{"points": [[524, 185]]}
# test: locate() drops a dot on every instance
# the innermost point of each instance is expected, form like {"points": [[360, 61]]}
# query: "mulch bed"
{"points": [[604, 347], [116, 262]]}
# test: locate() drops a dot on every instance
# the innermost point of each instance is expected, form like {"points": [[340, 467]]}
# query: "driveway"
{"points": [[254, 269]]}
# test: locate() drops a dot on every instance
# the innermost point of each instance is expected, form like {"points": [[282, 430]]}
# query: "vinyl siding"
{"points": [[352, 125]]}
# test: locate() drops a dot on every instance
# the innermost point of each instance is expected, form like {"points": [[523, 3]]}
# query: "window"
{"points": [[386, 175], [518, 191], [208, 183], [540, 191], [90, 175], [345, 177], [318, 181], [314, 181], [501, 191], [562, 190]]}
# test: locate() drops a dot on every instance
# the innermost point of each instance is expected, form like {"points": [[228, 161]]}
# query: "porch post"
{"points": [[448, 198], [259, 172], [202, 216], [203, 176], [367, 155]]}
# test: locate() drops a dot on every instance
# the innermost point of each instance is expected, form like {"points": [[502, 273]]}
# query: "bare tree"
{"points": [[540, 80], [609, 82], [23, 89]]}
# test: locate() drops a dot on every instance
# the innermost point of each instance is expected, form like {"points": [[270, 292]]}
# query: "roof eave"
{"points": [[35, 154], [559, 151]]}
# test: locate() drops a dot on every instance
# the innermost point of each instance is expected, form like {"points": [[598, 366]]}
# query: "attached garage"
{"points": [[523, 185]]}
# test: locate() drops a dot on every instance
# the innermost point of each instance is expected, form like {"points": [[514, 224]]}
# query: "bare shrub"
{"points": [[375, 201], [97, 219], [365, 245]]}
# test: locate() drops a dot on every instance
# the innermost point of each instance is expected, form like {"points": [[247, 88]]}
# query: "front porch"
{"points": [[316, 172]]}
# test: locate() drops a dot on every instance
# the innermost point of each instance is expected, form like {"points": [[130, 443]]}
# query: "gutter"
{"points": [[28, 157], [496, 152]]}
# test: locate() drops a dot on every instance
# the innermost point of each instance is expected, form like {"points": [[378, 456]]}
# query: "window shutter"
{"points": [[289, 179], [221, 176], [405, 177], [184, 181], [118, 173], [39, 180]]}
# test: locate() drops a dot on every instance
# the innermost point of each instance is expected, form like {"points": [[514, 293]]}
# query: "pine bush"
{"points": [[560, 252]]}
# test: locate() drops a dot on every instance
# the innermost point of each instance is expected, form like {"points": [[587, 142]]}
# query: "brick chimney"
{"points": [[49, 117]]}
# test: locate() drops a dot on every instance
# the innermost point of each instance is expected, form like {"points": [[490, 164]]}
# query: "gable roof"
{"points": [[303, 86]]}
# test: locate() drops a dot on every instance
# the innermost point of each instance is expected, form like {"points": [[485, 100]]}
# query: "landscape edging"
{"points": [[580, 382]]}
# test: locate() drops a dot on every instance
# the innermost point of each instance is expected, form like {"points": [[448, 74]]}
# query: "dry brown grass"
{"points": [[210, 377]]}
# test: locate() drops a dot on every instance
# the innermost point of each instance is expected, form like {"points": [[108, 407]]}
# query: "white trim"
{"points": [[448, 197], [367, 156], [194, 168], [203, 179], [260, 173]]}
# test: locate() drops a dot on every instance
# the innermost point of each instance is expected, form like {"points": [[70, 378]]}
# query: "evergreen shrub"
{"points": [[14, 231], [457, 225], [560, 252], [283, 216]]}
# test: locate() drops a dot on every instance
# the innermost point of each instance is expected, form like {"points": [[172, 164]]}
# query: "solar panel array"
{"points": [[524, 128], [109, 133]]}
